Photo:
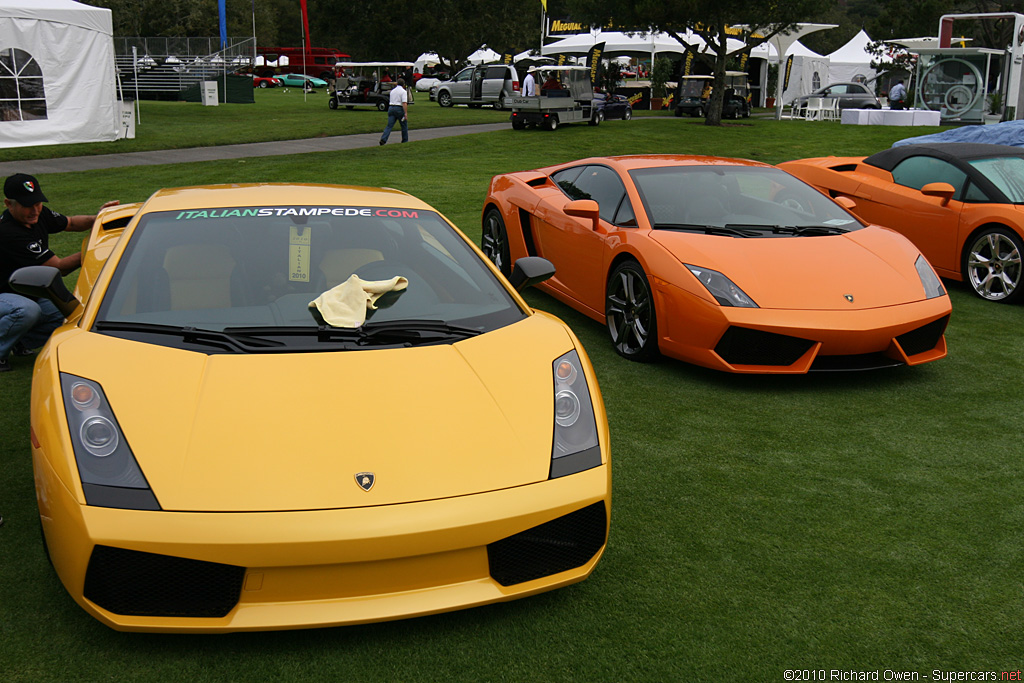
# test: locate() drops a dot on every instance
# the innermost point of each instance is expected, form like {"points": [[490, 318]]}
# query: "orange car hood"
{"points": [[239, 432], [874, 265]]}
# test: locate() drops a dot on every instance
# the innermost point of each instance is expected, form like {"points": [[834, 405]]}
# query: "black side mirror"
{"points": [[44, 282], [529, 271]]}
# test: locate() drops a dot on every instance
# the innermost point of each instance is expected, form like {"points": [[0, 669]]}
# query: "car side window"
{"points": [[464, 75], [916, 172], [603, 185], [567, 181], [973, 193]]}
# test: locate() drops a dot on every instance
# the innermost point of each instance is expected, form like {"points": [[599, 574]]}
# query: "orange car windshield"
{"points": [[763, 201]]}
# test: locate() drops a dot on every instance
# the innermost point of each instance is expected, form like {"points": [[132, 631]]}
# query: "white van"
{"points": [[492, 84]]}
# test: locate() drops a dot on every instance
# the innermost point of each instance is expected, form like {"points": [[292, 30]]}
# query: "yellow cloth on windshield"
{"points": [[346, 304]]}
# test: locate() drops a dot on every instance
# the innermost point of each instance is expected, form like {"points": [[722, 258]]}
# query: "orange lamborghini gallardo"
{"points": [[729, 264], [961, 204]]}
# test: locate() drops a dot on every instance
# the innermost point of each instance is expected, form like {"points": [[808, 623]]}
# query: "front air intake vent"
{"points": [[556, 546], [744, 346], [146, 584]]}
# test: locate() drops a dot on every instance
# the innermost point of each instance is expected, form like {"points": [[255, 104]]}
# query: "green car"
{"points": [[299, 80]]}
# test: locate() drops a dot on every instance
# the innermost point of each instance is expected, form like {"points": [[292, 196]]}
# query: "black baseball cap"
{"points": [[24, 189]]}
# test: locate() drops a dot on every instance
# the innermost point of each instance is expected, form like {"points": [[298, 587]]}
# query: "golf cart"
{"points": [[565, 95], [358, 84], [695, 93]]}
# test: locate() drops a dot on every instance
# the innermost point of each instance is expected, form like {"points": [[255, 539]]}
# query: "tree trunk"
{"points": [[714, 113]]}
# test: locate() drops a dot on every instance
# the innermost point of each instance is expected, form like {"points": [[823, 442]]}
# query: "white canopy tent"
{"points": [[852, 62], [484, 55], [616, 42], [57, 78], [808, 72]]}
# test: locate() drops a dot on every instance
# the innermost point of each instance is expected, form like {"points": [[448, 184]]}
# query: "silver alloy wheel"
{"points": [[629, 311], [994, 266], [444, 98]]}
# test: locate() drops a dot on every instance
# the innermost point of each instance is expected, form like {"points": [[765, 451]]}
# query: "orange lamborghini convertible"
{"points": [[730, 264], [962, 204]]}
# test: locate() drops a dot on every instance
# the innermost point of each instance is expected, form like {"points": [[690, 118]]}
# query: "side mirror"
{"points": [[845, 202], [943, 190], [44, 282], [529, 271], [584, 208]]}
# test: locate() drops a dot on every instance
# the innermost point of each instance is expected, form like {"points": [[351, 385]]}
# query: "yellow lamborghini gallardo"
{"points": [[290, 406]]}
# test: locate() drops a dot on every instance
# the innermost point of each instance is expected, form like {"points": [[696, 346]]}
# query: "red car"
{"points": [[265, 81]]}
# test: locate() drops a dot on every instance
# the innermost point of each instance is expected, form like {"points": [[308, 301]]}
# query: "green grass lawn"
{"points": [[864, 521]]}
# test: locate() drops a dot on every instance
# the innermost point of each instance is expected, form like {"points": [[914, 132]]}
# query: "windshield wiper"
{"points": [[234, 341], [802, 230], [408, 331], [727, 230]]}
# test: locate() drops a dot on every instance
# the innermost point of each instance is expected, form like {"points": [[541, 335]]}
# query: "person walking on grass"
{"points": [[398, 110]]}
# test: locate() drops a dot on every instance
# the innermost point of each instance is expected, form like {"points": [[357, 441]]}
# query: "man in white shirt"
{"points": [[398, 110], [530, 84]]}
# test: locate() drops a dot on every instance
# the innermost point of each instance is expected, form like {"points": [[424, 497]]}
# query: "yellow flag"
{"points": [[544, 4]]}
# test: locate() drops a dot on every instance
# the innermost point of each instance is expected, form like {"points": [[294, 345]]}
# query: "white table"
{"points": [[890, 117]]}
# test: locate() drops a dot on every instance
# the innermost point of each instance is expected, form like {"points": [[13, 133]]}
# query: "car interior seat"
{"points": [[199, 276]]}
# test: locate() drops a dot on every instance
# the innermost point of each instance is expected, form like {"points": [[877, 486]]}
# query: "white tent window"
{"points": [[815, 81], [22, 96]]}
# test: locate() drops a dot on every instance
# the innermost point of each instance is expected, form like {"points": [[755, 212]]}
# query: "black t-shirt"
{"points": [[21, 246]]}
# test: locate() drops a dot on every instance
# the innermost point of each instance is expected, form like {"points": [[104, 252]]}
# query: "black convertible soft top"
{"points": [[947, 151]]}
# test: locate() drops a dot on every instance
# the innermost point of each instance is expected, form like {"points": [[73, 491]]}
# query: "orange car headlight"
{"points": [[109, 473], [932, 284], [722, 288], [576, 446]]}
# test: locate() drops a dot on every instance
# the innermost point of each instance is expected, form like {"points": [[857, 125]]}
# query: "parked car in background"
{"points": [[265, 81], [300, 80], [730, 264], [959, 203], [850, 96], [492, 84], [613, 106]]}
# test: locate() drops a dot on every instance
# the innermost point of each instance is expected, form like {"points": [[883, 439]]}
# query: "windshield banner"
{"points": [[294, 211]]}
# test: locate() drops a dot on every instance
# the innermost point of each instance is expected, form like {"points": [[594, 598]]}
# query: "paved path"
{"points": [[254, 149]]}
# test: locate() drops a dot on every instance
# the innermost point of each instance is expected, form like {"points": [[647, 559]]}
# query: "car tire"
{"points": [[628, 114], [382, 106], [519, 125], [596, 119], [444, 98], [332, 103], [500, 104], [630, 315], [698, 113], [263, 84], [991, 264], [494, 242], [552, 123]]}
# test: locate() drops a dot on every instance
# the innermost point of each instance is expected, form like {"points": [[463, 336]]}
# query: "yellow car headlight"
{"points": [[576, 446], [110, 475]]}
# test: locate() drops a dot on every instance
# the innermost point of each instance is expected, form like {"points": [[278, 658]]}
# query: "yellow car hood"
{"points": [[874, 266], [254, 432]]}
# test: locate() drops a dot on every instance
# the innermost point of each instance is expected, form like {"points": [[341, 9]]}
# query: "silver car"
{"points": [[491, 84], [850, 96]]}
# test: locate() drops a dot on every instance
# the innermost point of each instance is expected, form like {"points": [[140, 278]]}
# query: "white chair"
{"points": [[830, 109], [814, 109]]}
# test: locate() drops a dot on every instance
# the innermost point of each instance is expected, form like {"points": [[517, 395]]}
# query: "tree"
{"points": [[709, 19]]}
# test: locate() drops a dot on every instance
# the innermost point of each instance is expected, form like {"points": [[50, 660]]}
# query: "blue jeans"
{"points": [[396, 114], [26, 321]]}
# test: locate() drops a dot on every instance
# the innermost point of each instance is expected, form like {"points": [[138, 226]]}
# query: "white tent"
{"points": [[616, 42], [851, 62], [484, 55], [809, 71], [57, 79]]}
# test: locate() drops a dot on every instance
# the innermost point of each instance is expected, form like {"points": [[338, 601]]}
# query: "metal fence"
{"points": [[169, 65]]}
